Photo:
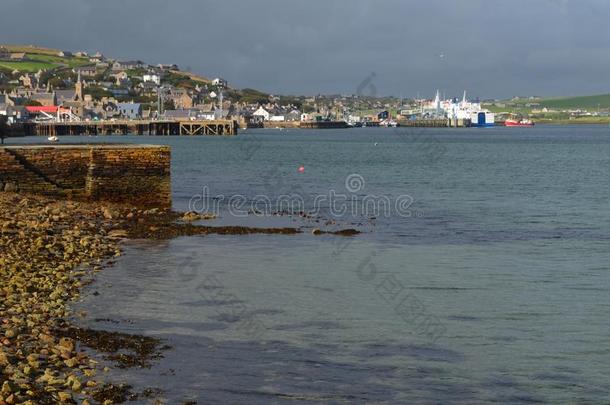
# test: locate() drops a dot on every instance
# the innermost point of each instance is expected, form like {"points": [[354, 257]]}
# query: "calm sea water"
{"points": [[491, 286]]}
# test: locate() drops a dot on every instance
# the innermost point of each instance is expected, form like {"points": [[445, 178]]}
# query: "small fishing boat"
{"points": [[519, 123], [53, 138]]}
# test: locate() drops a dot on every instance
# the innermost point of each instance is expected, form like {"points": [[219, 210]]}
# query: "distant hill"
{"points": [[583, 102], [40, 58], [31, 49], [595, 102]]}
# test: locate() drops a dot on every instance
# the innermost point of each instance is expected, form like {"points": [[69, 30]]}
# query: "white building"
{"points": [[261, 114], [220, 82], [207, 115], [277, 118], [152, 78]]}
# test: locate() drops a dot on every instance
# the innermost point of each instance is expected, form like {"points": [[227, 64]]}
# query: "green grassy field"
{"points": [[59, 61], [27, 66], [40, 58], [575, 121], [31, 49], [600, 101]]}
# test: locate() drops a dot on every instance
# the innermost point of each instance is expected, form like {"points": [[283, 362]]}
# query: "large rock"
{"points": [[11, 187]]}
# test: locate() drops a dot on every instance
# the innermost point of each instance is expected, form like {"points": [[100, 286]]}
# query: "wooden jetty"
{"points": [[133, 127]]}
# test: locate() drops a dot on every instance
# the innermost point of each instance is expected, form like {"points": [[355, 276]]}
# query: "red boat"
{"points": [[519, 123]]}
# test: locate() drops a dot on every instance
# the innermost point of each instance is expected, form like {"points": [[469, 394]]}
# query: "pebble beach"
{"points": [[50, 250]]}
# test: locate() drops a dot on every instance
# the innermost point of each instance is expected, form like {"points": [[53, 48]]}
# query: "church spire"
{"points": [[79, 89]]}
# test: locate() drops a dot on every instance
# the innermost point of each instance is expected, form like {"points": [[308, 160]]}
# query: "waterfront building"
{"points": [[132, 111], [261, 115]]}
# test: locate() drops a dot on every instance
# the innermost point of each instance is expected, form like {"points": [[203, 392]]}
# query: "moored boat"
{"points": [[519, 123]]}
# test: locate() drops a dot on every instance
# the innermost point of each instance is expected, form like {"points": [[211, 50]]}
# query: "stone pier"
{"points": [[138, 175]]}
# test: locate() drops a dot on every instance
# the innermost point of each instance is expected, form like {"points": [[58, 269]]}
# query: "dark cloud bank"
{"points": [[493, 48]]}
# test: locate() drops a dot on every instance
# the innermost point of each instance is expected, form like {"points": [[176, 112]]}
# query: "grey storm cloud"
{"points": [[492, 48]]}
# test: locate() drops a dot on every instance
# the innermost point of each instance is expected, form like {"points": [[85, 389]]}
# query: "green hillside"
{"points": [[601, 101], [40, 58]]}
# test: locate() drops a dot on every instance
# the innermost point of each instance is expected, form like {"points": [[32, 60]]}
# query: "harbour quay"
{"points": [[138, 175], [133, 127]]}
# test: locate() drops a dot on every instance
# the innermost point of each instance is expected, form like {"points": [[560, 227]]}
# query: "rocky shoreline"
{"points": [[50, 249]]}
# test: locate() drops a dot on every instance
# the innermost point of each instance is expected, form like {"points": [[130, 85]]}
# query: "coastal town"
{"points": [[50, 87], [351, 202], [93, 87]]}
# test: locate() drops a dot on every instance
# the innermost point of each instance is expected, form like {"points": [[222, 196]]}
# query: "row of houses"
{"points": [[276, 114]]}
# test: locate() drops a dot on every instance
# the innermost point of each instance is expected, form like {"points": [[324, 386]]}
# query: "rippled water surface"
{"points": [[493, 287]]}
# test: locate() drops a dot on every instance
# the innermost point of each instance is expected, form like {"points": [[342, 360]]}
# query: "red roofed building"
{"points": [[39, 109]]}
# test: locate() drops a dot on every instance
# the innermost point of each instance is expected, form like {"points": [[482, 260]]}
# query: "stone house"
{"points": [[293, 115], [86, 71], [148, 89], [97, 58], [28, 81], [76, 107], [108, 110], [45, 99], [132, 111], [127, 65], [122, 79], [167, 67], [180, 98], [65, 95], [18, 56]]}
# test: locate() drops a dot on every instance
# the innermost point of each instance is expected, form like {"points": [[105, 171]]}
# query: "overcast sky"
{"points": [[492, 48]]}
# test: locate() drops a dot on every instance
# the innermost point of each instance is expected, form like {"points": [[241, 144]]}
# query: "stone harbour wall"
{"points": [[138, 175]]}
